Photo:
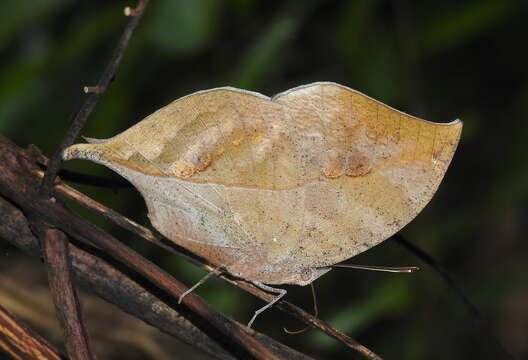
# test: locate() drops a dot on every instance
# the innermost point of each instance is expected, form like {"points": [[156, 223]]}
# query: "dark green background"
{"points": [[437, 60]]}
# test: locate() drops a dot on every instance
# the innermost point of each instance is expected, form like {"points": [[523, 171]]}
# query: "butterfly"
{"points": [[277, 190]]}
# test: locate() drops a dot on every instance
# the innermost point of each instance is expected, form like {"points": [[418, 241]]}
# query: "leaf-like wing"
{"points": [[309, 178], [376, 167]]}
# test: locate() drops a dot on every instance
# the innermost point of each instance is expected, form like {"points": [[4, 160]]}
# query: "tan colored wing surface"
{"points": [[195, 160], [311, 177], [376, 167]]}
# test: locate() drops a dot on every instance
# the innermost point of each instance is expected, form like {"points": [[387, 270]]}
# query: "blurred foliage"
{"points": [[180, 27], [438, 60]]}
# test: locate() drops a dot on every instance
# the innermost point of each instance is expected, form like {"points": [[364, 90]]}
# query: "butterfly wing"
{"points": [[376, 168], [309, 178], [198, 162]]}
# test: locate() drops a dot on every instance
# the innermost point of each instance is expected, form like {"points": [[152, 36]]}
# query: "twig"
{"points": [[125, 292], [444, 274], [159, 240], [55, 243], [56, 255], [21, 342], [94, 94]]}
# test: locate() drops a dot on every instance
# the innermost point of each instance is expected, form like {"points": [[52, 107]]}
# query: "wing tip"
{"points": [[457, 125], [456, 122], [90, 140]]}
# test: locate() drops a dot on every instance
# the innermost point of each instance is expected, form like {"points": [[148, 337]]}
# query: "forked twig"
{"points": [[94, 95]]}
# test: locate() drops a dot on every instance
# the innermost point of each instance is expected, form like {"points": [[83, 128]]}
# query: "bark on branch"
{"points": [[57, 257]]}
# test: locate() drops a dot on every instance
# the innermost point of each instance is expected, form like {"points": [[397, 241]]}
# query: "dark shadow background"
{"points": [[436, 60]]}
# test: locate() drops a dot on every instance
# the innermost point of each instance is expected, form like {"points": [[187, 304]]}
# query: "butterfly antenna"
{"points": [[316, 314], [407, 269]]}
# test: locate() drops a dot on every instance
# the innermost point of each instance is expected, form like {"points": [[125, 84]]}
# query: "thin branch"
{"points": [[57, 257], [444, 274], [338, 335], [93, 96], [170, 246], [21, 342], [129, 294], [55, 243]]}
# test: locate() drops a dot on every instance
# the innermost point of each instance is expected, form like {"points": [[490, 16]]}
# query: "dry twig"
{"points": [[57, 257], [94, 95], [166, 244], [21, 342], [474, 312], [55, 243]]}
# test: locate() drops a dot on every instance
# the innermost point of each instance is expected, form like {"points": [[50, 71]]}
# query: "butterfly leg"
{"points": [[280, 292], [200, 282]]}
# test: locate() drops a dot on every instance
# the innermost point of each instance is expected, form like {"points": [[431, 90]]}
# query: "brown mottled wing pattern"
{"points": [[309, 178]]}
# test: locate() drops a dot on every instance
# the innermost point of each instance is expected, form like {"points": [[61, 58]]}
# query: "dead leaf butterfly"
{"points": [[276, 190]]}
